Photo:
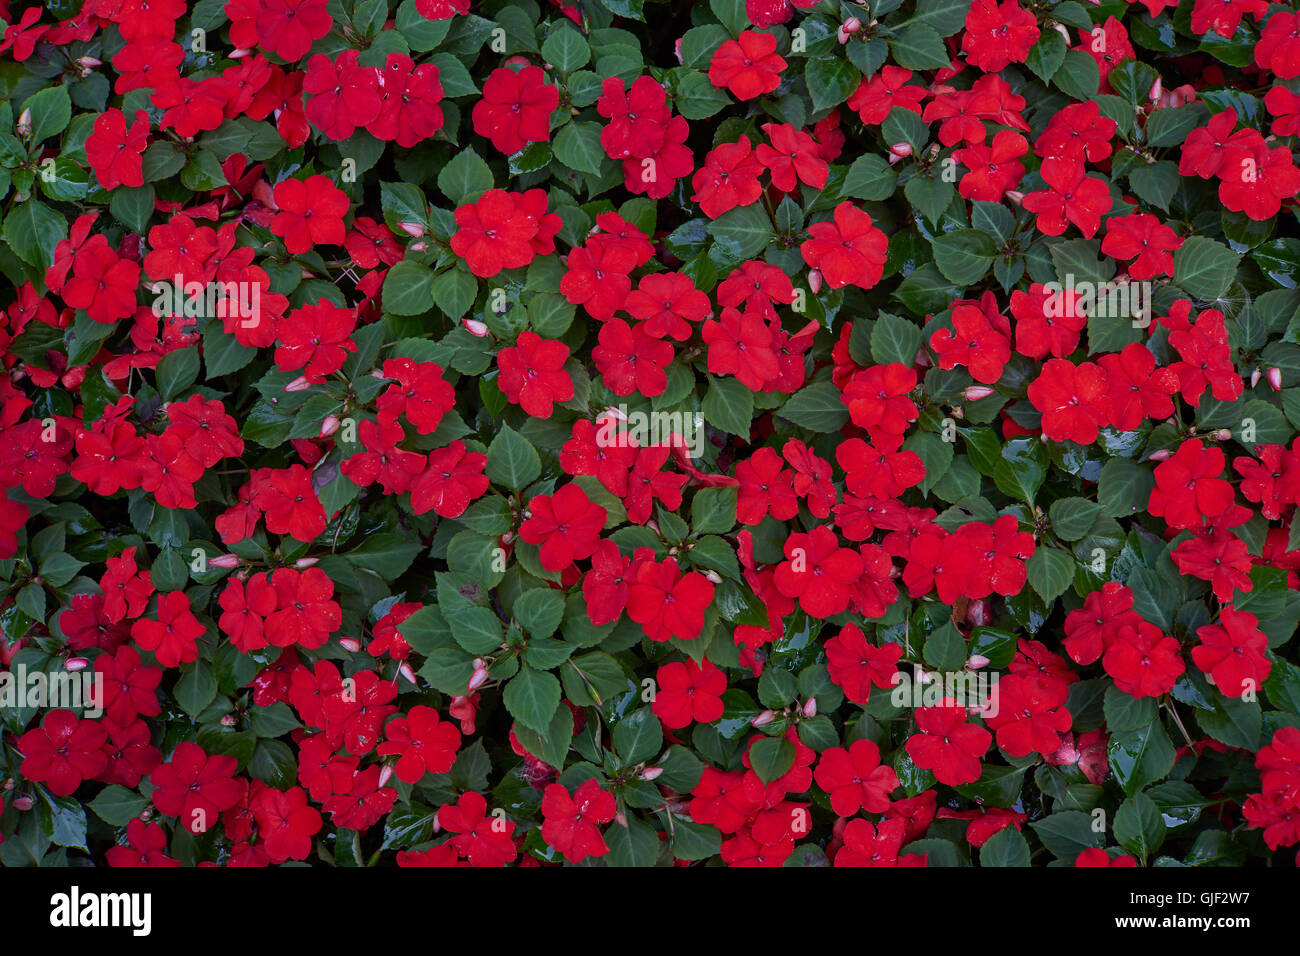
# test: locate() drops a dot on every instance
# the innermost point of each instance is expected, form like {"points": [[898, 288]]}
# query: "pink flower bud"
{"points": [[810, 707], [385, 774], [766, 717], [677, 50], [298, 384], [1156, 89], [977, 661], [1223, 434], [405, 670], [651, 773], [413, 229], [350, 644], [475, 327], [224, 561], [841, 35], [22, 803], [228, 720], [713, 576], [419, 246], [89, 62], [329, 426], [974, 393], [1275, 379], [852, 25], [978, 613], [899, 151], [303, 563], [814, 281], [1255, 376], [24, 125], [478, 678], [1016, 196], [238, 54], [76, 664], [1160, 454]]}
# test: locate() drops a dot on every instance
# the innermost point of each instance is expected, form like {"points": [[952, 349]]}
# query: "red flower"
{"points": [[409, 112], [667, 302], [998, 35], [63, 751], [1256, 179], [1030, 715], [194, 787], [630, 361], [1188, 487], [993, 169], [1047, 321], [570, 823], [426, 744], [285, 823], [1146, 238], [1233, 652], [887, 89], [1095, 856], [849, 250], [305, 615], [146, 846], [283, 27], [130, 686], [855, 779], [516, 108], [867, 845], [173, 637], [728, 178], [245, 606], [208, 432], [1071, 399], [792, 158], [1143, 661], [420, 393], [287, 498], [344, 95], [1219, 557], [947, 745], [665, 602], [115, 152], [1136, 389], [748, 66], [1203, 151], [452, 479], [1077, 133], [566, 524], [483, 840], [742, 344], [689, 692], [1070, 197], [1278, 49], [102, 283], [311, 213], [818, 572], [504, 231], [980, 339], [877, 399]]}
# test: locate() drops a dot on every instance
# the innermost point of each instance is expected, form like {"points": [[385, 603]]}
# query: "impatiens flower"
{"points": [[1143, 661], [286, 823], [1135, 389], [283, 27], [570, 823], [1077, 133], [868, 845], [1277, 50], [504, 231], [855, 779], [515, 108], [1232, 653], [666, 602], [423, 742], [630, 361], [1203, 151], [533, 375], [63, 752], [1030, 715], [1219, 557], [748, 66], [305, 613], [115, 152], [1256, 179], [1144, 239], [742, 344], [791, 158], [848, 250], [1048, 320], [311, 213], [947, 745], [566, 524], [1189, 488], [877, 399], [173, 637], [1071, 399], [818, 572], [1095, 856], [452, 479], [344, 95], [195, 787], [728, 178], [994, 169], [980, 339], [667, 302], [408, 112], [689, 692], [886, 89], [290, 504], [1070, 197], [998, 34]]}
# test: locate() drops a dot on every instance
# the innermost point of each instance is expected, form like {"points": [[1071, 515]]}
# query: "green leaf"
{"points": [[771, 758], [1072, 518], [830, 81], [696, 98], [1067, 834], [817, 407], [742, 233], [1051, 572], [408, 289], [1139, 827], [566, 49], [33, 230], [177, 372], [637, 737], [1007, 847], [728, 405], [387, 555], [1140, 757], [117, 805], [1124, 488], [577, 145], [1078, 75], [539, 611], [1204, 268], [895, 339], [713, 511], [51, 112], [964, 256], [512, 461], [465, 178], [532, 697], [1047, 55]]}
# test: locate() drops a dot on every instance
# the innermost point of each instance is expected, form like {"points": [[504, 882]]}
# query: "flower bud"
{"points": [[974, 393], [228, 720], [419, 245], [810, 707], [899, 151], [76, 664], [350, 644], [329, 426], [478, 678], [814, 281], [298, 384], [24, 125], [22, 803], [238, 54], [1160, 454], [475, 327], [413, 229], [1016, 196], [405, 670], [852, 25], [1275, 379], [651, 773], [1255, 376], [224, 561], [303, 563], [976, 661], [1223, 434], [841, 35], [385, 774], [713, 576], [766, 717]]}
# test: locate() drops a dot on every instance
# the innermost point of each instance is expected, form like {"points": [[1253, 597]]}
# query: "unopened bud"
{"points": [[24, 125], [238, 54], [76, 664], [1160, 454], [1255, 376], [413, 229], [302, 563], [810, 707], [350, 644], [298, 384], [973, 393], [1275, 379], [651, 773], [899, 151], [814, 281], [385, 774], [1016, 196], [228, 720], [478, 678], [418, 246], [22, 803], [329, 426], [713, 576], [1223, 434], [224, 561], [1156, 89], [976, 661], [475, 327], [766, 717], [852, 25]]}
